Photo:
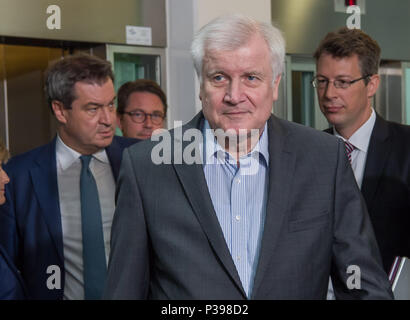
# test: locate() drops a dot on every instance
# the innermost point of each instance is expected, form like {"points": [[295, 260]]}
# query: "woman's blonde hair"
{"points": [[4, 153]]}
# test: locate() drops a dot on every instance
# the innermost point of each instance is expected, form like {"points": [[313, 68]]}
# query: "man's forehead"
{"points": [[343, 65], [351, 59], [95, 89], [144, 99], [93, 82]]}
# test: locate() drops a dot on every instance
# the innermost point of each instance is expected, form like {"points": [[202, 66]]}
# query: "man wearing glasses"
{"points": [[379, 151], [142, 107]]}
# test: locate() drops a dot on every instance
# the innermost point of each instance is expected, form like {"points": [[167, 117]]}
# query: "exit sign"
{"points": [[341, 5], [350, 3]]}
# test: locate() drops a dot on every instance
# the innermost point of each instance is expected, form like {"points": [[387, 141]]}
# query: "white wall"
{"points": [[209, 9]]}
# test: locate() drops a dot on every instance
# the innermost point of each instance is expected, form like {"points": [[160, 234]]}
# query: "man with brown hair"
{"points": [[379, 151], [142, 107]]}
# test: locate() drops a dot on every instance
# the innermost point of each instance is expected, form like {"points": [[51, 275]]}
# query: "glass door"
{"points": [[389, 100], [406, 91], [302, 101], [132, 62]]}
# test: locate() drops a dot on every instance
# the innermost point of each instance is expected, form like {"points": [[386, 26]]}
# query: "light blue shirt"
{"points": [[239, 195]]}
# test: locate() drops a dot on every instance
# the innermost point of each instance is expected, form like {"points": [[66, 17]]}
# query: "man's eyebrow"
{"points": [[338, 76], [215, 71], [254, 73], [97, 104]]}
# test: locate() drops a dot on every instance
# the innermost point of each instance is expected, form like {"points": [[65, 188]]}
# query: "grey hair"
{"points": [[232, 31]]}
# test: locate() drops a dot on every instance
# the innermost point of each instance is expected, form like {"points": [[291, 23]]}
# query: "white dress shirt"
{"points": [[360, 139], [68, 179]]}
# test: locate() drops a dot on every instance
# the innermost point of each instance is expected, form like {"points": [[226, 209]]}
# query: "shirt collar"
{"points": [[66, 156], [361, 138], [212, 147]]}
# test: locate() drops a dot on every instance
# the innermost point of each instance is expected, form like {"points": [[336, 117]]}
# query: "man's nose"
{"points": [[330, 90], [148, 121], [234, 92], [106, 115]]}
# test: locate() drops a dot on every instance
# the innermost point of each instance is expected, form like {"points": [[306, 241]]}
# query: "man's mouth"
{"points": [[333, 108], [107, 133]]}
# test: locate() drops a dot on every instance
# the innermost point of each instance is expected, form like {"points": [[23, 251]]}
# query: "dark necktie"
{"points": [[349, 150], [94, 262]]}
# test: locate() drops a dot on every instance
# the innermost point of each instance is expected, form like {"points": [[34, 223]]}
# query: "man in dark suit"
{"points": [[346, 81], [11, 284], [55, 225], [240, 204]]}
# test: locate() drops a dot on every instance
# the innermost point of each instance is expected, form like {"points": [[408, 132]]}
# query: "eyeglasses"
{"points": [[322, 82], [140, 116]]}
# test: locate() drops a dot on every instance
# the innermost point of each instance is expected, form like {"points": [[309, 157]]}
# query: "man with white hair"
{"points": [[214, 229]]}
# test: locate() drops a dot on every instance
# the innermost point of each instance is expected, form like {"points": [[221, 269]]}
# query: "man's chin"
{"points": [[105, 141], [144, 136]]}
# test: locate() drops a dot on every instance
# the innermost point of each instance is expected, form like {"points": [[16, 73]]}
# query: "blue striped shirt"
{"points": [[239, 198]]}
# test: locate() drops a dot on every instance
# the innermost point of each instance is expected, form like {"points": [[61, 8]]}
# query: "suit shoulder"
{"points": [[142, 148], [26, 159], [401, 130], [125, 142], [307, 135]]}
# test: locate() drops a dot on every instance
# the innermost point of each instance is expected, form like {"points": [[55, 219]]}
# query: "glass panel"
{"points": [[130, 66], [394, 99], [388, 99], [303, 103], [407, 95]]}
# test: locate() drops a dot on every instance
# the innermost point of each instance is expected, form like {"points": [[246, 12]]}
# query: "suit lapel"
{"points": [[281, 169], [44, 179], [377, 154], [193, 181], [114, 154]]}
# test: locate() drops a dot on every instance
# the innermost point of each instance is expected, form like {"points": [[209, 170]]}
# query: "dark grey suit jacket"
{"points": [[167, 242]]}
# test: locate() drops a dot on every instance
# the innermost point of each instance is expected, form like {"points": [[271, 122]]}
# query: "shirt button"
{"points": [[238, 258], [238, 180], [238, 218]]}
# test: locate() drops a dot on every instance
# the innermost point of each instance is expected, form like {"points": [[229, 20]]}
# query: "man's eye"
{"points": [[218, 77], [251, 78], [138, 114], [321, 81], [157, 115]]}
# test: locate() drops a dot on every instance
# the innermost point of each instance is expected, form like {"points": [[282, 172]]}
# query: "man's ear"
{"points": [[373, 85], [59, 111], [276, 87], [119, 116]]}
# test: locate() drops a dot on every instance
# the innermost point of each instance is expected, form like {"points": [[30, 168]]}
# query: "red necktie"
{"points": [[349, 150]]}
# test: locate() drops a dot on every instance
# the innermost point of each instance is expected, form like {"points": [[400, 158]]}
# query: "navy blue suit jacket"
{"points": [[30, 220], [11, 283]]}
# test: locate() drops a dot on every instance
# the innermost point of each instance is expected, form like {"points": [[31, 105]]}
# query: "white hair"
{"points": [[232, 31]]}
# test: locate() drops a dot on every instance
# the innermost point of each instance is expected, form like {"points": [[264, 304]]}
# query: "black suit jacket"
{"points": [[386, 188]]}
